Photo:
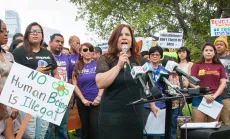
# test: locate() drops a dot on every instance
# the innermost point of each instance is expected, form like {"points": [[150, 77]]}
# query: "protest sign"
{"points": [[36, 93], [220, 27], [170, 40]]}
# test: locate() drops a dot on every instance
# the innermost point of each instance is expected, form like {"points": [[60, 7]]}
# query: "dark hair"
{"points": [[80, 63], [183, 49], [17, 35], [0, 29], [143, 53], [98, 49], [215, 59], [14, 44], [44, 45], [112, 52], [156, 49], [27, 45], [54, 35]]}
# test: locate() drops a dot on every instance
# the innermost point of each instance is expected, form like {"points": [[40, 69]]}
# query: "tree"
{"points": [[192, 17]]}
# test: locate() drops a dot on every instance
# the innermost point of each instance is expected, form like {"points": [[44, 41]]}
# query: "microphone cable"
{"points": [[141, 123]]}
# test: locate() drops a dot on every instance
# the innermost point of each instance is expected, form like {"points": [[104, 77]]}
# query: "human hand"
{"points": [[86, 102], [96, 101], [123, 57], [155, 110], [43, 69], [209, 98]]}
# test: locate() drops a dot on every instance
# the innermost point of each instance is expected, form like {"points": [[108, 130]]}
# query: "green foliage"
{"points": [[192, 17]]}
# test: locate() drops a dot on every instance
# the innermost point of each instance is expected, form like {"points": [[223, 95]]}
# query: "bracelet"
{"points": [[97, 99]]}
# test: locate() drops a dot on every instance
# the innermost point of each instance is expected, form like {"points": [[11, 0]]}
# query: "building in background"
{"points": [[13, 24]]}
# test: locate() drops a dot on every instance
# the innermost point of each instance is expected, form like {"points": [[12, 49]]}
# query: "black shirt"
{"points": [[41, 58], [122, 91], [225, 60]]}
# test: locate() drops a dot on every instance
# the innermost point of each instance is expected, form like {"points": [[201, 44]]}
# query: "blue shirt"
{"points": [[159, 104]]}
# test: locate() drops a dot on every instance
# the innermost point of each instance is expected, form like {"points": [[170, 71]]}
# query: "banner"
{"points": [[170, 40], [36, 93], [220, 27]]}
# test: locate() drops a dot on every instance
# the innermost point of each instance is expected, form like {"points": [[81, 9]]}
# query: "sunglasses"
{"points": [[87, 49]]}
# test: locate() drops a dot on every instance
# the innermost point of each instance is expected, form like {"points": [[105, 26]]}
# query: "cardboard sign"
{"points": [[170, 40], [220, 27], [36, 93]]}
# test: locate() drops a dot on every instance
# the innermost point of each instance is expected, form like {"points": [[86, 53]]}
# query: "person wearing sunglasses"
{"points": [[33, 56], [88, 94], [6, 60], [117, 120]]}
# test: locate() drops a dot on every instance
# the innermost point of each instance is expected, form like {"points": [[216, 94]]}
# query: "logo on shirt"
{"points": [[203, 72]]}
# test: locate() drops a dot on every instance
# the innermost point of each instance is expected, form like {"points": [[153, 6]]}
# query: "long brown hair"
{"points": [[112, 48], [3, 112], [80, 63], [215, 59], [26, 43]]}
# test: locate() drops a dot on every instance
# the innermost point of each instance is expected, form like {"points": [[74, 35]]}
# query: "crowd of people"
{"points": [[104, 86]]}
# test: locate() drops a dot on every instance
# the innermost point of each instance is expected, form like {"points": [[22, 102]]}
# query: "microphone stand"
{"points": [[168, 102]]}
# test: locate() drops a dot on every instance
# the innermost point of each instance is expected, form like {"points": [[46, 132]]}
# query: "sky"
{"points": [[54, 14]]}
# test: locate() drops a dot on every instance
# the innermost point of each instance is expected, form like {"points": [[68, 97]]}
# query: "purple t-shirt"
{"points": [[86, 81], [74, 59], [159, 104], [64, 67]]}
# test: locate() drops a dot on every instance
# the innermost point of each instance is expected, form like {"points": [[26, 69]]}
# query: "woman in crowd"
{"points": [[116, 118], [33, 56], [15, 44], [88, 94], [184, 59], [6, 61], [211, 73]]}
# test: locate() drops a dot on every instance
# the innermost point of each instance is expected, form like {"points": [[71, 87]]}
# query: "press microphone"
{"points": [[148, 71], [124, 50], [173, 66], [137, 72]]}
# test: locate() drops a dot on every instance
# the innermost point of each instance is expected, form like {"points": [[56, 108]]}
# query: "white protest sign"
{"points": [[170, 40], [220, 27], [36, 93]]}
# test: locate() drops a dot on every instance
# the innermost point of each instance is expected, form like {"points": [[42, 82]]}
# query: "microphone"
{"points": [[125, 49], [148, 70], [173, 66], [137, 72]]}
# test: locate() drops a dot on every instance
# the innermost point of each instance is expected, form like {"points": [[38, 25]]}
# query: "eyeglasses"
{"points": [[4, 31], [87, 49], [157, 55], [35, 31]]}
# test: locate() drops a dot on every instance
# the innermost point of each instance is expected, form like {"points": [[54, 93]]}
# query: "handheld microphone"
{"points": [[137, 72], [125, 49], [173, 66]]}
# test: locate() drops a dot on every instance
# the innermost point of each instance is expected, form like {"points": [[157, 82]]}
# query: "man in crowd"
{"points": [[221, 44], [64, 70], [97, 53], [18, 36]]}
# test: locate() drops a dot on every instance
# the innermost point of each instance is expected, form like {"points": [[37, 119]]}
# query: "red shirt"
{"points": [[209, 75]]}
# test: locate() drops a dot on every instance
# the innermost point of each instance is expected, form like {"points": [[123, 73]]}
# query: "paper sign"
{"points": [[152, 121], [170, 40], [212, 109], [220, 27], [36, 93]]}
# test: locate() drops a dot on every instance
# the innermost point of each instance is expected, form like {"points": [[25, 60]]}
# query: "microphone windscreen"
{"points": [[143, 61], [155, 92]]}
